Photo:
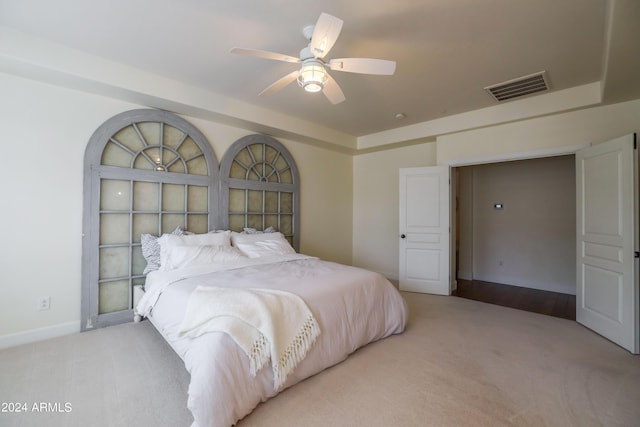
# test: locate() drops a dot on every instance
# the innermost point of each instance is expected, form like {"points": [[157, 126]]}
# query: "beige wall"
{"points": [[45, 132], [560, 133], [375, 204]]}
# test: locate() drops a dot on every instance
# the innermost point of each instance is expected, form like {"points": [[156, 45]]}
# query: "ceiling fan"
{"points": [[313, 75]]}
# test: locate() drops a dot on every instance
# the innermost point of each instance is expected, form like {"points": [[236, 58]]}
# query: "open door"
{"points": [[607, 238], [424, 230]]}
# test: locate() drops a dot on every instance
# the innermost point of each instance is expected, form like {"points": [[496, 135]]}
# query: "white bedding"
{"points": [[353, 307]]}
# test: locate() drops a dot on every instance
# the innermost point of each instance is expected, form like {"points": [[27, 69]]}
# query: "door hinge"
{"points": [[637, 254], [635, 141]]}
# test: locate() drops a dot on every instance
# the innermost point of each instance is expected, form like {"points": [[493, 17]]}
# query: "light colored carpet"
{"points": [[459, 363]]}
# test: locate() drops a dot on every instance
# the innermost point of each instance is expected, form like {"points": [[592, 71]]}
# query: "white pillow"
{"points": [[248, 230], [151, 250], [259, 245], [169, 241], [187, 256]]}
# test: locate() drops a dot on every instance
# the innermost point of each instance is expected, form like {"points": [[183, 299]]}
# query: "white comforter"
{"points": [[353, 307]]}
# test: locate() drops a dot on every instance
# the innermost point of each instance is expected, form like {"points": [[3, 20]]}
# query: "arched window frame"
{"points": [[228, 183], [95, 172]]}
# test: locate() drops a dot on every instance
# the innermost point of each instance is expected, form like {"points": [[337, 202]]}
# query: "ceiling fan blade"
{"points": [[332, 91], [265, 54], [325, 34], [279, 84], [364, 66]]}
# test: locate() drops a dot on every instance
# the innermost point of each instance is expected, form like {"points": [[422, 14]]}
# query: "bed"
{"points": [[350, 307]]}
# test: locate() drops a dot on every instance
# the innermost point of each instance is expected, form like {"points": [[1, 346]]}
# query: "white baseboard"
{"points": [[40, 334]]}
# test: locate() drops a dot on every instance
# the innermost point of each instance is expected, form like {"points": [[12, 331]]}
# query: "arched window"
{"points": [[260, 187], [146, 171]]}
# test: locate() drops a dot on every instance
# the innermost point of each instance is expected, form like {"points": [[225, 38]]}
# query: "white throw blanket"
{"points": [[268, 325]]}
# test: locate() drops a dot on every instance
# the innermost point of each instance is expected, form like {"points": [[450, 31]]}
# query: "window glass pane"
{"points": [[172, 136], [254, 221], [197, 166], [173, 197], [271, 221], [244, 158], [129, 138], [286, 177], [114, 195], [255, 201], [236, 222], [138, 263], [168, 157], [170, 222], [256, 150], [286, 225], [286, 202], [145, 196], [270, 153], [149, 162], [236, 200], [254, 173], [113, 155], [114, 229], [197, 198], [271, 201], [271, 174], [144, 223], [150, 132], [189, 149], [114, 296], [198, 223], [281, 164], [114, 262], [176, 167], [238, 171]]}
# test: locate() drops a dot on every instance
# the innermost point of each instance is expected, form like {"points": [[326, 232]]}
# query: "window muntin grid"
{"points": [[261, 162], [260, 187], [146, 171], [154, 146], [129, 208]]}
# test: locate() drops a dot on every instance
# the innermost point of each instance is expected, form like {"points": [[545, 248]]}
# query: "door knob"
{"points": [[402, 236]]}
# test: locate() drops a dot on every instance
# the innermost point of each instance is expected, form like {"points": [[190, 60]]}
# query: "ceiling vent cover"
{"points": [[527, 85]]}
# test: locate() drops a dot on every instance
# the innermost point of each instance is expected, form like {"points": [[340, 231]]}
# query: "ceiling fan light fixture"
{"points": [[312, 76]]}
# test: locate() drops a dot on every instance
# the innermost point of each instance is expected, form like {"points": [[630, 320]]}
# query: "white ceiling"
{"points": [[446, 51]]}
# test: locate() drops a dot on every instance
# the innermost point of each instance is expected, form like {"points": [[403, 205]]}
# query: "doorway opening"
{"points": [[515, 228]]}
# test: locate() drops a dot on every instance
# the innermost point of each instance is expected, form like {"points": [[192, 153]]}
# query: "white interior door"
{"points": [[607, 281], [424, 230]]}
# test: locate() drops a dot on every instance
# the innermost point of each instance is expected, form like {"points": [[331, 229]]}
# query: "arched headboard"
{"points": [[152, 172], [260, 187]]}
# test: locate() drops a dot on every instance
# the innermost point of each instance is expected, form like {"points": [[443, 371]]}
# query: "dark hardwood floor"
{"points": [[543, 302]]}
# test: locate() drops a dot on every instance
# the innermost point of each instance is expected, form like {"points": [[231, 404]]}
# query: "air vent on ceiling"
{"points": [[527, 85]]}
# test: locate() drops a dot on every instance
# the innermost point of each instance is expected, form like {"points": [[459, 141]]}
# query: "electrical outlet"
{"points": [[44, 303]]}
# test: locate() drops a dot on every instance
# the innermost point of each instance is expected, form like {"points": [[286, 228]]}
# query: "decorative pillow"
{"points": [[264, 244], [151, 250], [168, 241], [187, 256], [248, 230]]}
